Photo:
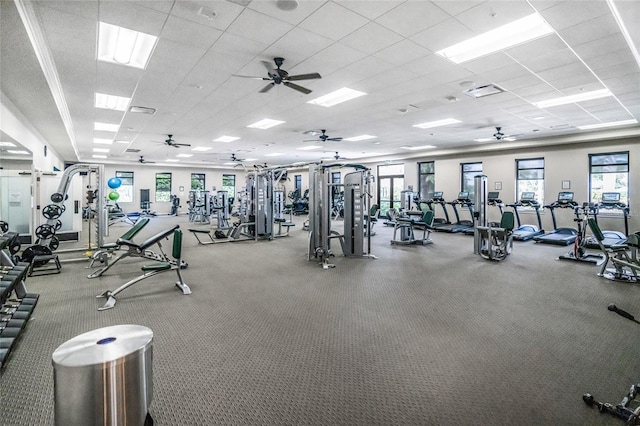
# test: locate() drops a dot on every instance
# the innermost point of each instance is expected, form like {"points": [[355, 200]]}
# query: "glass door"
{"points": [[389, 188]]}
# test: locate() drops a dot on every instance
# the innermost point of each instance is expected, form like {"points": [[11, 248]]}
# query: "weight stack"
{"points": [[104, 377]]}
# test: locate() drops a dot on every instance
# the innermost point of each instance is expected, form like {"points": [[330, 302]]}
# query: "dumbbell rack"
{"points": [[16, 304]]}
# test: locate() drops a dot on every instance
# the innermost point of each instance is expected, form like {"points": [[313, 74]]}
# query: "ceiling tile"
{"points": [[132, 16], [442, 35], [297, 45], [594, 29], [455, 7], [333, 21], [258, 27], [402, 52], [492, 14], [86, 9], [226, 12], [187, 32], [371, 38], [564, 14], [370, 9], [294, 17], [411, 17]]}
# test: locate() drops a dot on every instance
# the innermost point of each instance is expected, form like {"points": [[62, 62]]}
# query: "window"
{"points": [[229, 185], [163, 187], [609, 173], [126, 188], [335, 190], [530, 178], [426, 180], [468, 172], [298, 181], [198, 182]]}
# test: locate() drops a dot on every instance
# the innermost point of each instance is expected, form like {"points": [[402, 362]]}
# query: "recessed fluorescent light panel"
{"points": [[580, 97], [16, 151], [334, 98], [520, 31], [98, 156], [437, 123], [417, 148], [609, 124], [102, 141], [7, 144], [106, 127], [123, 46], [483, 140], [100, 149], [184, 155], [250, 159], [266, 123], [122, 142], [275, 154], [227, 139], [171, 160], [201, 148], [360, 138], [118, 103], [309, 147]]}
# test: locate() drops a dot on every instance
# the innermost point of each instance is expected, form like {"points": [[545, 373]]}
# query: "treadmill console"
{"points": [[463, 196], [610, 197], [528, 199], [565, 197], [437, 196]]}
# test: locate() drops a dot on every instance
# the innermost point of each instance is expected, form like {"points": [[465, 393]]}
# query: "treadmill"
{"points": [[527, 232], [439, 222], [560, 236], [460, 225], [611, 201]]}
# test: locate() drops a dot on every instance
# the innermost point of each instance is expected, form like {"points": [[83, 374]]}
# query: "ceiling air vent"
{"points": [[132, 150], [482, 91], [142, 110]]}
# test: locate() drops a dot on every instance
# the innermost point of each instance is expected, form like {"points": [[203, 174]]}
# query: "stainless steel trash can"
{"points": [[104, 377]]}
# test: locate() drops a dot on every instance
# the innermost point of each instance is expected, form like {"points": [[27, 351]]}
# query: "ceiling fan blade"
{"points": [[182, 144], [251, 77], [296, 87], [269, 67], [311, 140], [334, 139], [267, 88], [310, 76]]}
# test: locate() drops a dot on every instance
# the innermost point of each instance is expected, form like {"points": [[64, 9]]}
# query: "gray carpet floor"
{"points": [[423, 335]]}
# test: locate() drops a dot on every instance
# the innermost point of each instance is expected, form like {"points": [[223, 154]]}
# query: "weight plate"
{"points": [[57, 197], [33, 251], [44, 231], [57, 225], [4, 226], [52, 211], [54, 243]]}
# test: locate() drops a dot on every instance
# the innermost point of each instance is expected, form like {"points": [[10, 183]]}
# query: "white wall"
{"points": [[567, 162]]}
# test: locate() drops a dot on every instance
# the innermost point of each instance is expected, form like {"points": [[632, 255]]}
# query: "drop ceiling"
{"points": [[383, 48]]}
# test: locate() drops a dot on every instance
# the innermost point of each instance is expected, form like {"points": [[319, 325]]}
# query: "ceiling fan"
{"points": [[280, 76], [499, 136], [141, 160], [336, 157], [232, 159], [323, 136], [173, 143]]}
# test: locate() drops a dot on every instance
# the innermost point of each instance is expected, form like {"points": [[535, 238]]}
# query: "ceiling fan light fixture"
{"points": [[337, 97], [517, 32], [123, 46]]}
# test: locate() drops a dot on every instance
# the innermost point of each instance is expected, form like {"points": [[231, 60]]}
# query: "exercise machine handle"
{"points": [[621, 312]]}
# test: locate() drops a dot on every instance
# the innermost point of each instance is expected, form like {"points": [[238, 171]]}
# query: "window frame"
{"points": [[624, 197], [201, 178], [463, 173], [423, 182], [540, 192], [161, 176], [123, 194], [231, 189], [297, 182]]}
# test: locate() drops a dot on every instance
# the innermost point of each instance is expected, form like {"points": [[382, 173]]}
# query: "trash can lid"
{"points": [[102, 345]]}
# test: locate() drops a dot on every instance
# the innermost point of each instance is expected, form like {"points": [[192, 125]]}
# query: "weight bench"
{"points": [[623, 257], [141, 250], [154, 269], [497, 243], [422, 221], [106, 250], [283, 223], [196, 232]]}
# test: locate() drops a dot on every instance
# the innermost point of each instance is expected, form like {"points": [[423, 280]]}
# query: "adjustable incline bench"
{"points": [[154, 269], [142, 250], [106, 250]]}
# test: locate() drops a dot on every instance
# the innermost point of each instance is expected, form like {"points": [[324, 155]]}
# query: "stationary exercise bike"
{"points": [[621, 410], [579, 251]]}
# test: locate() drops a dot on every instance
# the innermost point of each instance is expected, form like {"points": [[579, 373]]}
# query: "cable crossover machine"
{"points": [[355, 240]]}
